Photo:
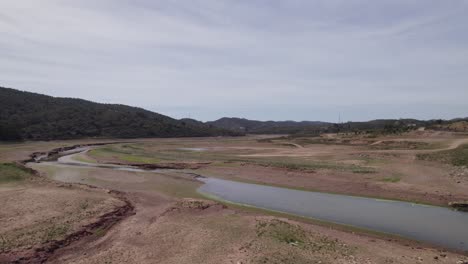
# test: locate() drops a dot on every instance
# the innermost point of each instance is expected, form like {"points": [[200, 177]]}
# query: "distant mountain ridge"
{"points": [[266, 127], [243, 125], [32, 116]]}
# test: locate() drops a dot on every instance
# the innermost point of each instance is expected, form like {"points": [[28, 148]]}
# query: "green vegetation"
{"points": [[361, 169], [55, 232], [389, 144], [10, 172], [371, 128], [282, 232], [456, 157], [326, 141], [269, 127], [392, 179], [297, 164], [132, 153], [32, 116], [100, 232], [355, 141], [302, 242], [5, 243], [129, 155]]}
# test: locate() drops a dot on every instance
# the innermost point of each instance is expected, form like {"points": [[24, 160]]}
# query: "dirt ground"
{"points": [[36, 213], [173, 223]]}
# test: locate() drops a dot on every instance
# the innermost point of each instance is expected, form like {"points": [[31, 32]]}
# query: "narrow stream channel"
{"points": [[431, 224]]}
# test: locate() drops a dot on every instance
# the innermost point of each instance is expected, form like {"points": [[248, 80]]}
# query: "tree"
{"points": [[9, 132]]}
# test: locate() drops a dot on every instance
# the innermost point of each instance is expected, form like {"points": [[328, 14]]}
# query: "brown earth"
{"points": [[39, 217]]}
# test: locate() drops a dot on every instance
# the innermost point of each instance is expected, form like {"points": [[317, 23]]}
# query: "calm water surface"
{"points": [[435, 225]]}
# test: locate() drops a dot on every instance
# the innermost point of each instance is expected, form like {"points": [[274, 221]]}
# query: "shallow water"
{"points": [[435, 225]]}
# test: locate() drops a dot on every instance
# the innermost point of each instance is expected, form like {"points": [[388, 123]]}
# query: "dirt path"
{"points": [[456, 143], [295, 145]]}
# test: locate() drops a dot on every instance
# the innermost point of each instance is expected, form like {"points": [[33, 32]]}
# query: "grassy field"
{"points": [[119, 152], [365, 142], [10, 172], [455, 157], [137, 153]]}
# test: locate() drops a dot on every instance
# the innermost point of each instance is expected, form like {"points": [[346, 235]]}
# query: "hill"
{"points": [[268, 127], [32, 116], [386, 126]]}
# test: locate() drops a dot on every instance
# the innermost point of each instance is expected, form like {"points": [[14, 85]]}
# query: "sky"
{"points": [[257, 59]]}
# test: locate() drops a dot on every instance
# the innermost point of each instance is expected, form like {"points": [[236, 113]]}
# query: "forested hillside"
{"points": [[31, 116]]}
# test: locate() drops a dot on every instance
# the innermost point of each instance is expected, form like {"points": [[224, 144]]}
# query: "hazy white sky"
{"points": [[299, 60]]}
